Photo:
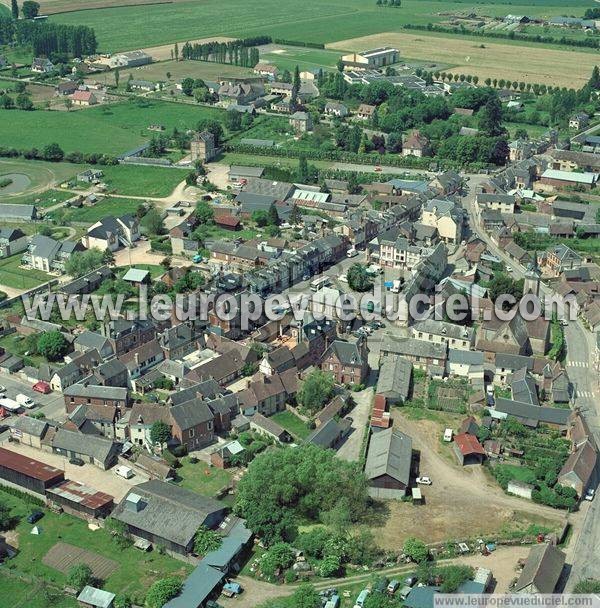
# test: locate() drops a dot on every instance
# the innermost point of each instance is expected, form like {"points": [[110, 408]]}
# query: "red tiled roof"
{"points": [[468, 444], [82, 95], [227, 220]]}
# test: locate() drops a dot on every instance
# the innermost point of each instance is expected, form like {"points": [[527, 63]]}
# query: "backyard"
{"points": [[201, 478], [105, 207], [136, 570], [292, 423], [19, 278]]}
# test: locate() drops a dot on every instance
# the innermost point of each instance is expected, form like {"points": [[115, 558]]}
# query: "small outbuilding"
{"points": [[468, 450]]}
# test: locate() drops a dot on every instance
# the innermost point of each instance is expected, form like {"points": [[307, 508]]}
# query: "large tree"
{"points": [[316, 390], [206, 540], [30, 9], [52, 345], [358, 278], [82, 262], [160, 432], [490, 117], [283, 487]]}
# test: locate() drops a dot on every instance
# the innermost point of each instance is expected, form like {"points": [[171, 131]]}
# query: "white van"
{"points": [[351, 253], [25, 401], [124, 471], [448, 433]]}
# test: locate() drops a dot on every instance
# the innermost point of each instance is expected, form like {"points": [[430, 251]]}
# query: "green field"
{"points": [[17, 593], [129, 27], [112, 130], [137, 180], [136, 572], [18, 278], [107, 206], [288, 57]]}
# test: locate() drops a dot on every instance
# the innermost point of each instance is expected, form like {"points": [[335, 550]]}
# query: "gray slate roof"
{"points": [[542, 569], [98, 448], [394, 378], [94, 391], [30, 426], [169, 512], [390, 453]]}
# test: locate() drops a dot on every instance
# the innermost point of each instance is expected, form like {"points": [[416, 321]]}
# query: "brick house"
{"points": [[348, 361]]}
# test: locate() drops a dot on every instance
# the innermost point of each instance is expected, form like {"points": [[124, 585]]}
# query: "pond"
{"points": [[20, 183]]}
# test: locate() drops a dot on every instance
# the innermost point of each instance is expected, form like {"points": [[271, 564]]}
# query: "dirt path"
{"points": [[462, 503], [501, 562]]}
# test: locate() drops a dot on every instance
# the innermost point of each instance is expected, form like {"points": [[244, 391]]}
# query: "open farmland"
{"points": [[109, 130], [129, 27], [51, 7], [486, 59]]}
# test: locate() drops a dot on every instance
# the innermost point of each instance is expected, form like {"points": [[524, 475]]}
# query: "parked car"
{"points": [[34, 516], [589, 495], [42, 387], [410, 581], [2, 389], [391, 588], [25, 401], [124, 471], [76, 461], [425, 481]]}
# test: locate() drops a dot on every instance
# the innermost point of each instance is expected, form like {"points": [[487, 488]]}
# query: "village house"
{"points": [[416, 144], [42, 65], [334, 108], [456, 336], [91, 394], [301, 122], [347, 361], [446, 216], [140, 359], [112, 233], [365, 111], [422, 354], [266, 69], [579, 121], [83, 98], [203, 147], [46, 254], [542, 570]]}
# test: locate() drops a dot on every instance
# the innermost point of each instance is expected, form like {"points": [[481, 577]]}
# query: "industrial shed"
{"points": [[26, 473]]}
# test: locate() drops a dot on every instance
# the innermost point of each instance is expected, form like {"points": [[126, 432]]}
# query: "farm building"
{"points": [[29, 431], [90, 597], [542, 570], [25, 473], [80, 500], [369, 60], [167, 515], [519, 488], [468, 450], [389, 463]]}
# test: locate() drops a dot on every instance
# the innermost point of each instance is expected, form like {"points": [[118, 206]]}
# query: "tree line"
{"points": [[589, 42], [241, 52], [46, 38]]}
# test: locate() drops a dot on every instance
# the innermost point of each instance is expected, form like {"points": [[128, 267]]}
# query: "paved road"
{"points": [[584, 550], [52, 405], [350, 450]]}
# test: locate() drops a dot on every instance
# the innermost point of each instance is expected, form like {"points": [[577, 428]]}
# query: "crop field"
{"points": [[63, 557], [112, 129], [128, 27], [39, 93], [486, 59], [35, 176]]}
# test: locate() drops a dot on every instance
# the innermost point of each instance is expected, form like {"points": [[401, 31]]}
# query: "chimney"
{"points": [[136, 357]]}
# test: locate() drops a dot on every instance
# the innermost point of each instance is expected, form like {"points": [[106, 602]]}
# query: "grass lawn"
{"points": [[110, 129], [129, 27], [201, 478], [138, 180], [137, 570], [18, 278], [292, 423], [108, 206], [17, 593], [46, 199], [524, 474]]}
